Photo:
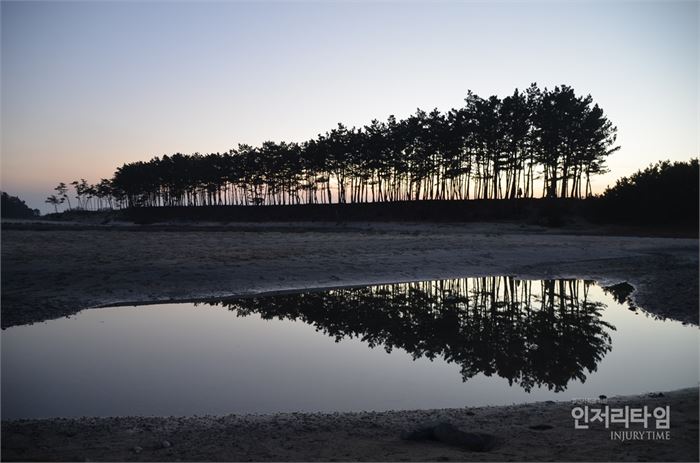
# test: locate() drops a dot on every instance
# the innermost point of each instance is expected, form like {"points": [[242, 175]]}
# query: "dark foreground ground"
{"points": [[355, 436]]}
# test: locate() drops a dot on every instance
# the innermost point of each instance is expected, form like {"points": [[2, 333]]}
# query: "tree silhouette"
{"points": [[54, 201], [488, 149], [62, 191], [532, 333], [11, 207], [662, 193]]}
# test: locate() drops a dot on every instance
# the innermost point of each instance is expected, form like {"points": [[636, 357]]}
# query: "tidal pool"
{"points": [[433, 344]]}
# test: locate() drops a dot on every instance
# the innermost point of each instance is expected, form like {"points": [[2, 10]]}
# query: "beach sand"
{"points": [[57, 271], [365, 436]]}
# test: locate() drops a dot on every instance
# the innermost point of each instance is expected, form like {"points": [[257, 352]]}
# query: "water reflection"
{"points": [[173, 359], [533, 333]]}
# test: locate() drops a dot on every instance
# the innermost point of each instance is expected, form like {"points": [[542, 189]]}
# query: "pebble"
{"points": [[137, 449], [165, 444], [541, 427], [449, 434]]}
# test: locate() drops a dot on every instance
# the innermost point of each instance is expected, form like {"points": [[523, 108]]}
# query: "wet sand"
{"points": [[362, 436]]}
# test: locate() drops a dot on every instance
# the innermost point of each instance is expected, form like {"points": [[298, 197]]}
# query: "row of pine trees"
{"points": [[536, 143]]}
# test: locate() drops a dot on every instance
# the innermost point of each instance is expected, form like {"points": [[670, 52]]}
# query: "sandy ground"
{"points": [[50, 271], [356, 436], [53, 272]]}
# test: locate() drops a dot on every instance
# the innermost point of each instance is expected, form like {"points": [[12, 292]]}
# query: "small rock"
{"points": [[69, 432], [137, 449], [655, 395], [449, 434], [418, 434], [165, 444]]}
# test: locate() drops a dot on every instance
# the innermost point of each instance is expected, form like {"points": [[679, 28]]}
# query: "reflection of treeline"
{"points": [[534, 333], [533, 143]]}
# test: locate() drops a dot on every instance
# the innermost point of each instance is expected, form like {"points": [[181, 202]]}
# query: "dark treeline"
{"points": [[534, 333], [11, 207], [534, 143], [665, 192]]}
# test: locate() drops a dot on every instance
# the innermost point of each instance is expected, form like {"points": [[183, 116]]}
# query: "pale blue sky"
{"points": [[87, 86]]}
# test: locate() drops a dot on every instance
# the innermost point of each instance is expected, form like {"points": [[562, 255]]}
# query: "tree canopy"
{"points": [[662, 192], [531, 143], [14, 208]]}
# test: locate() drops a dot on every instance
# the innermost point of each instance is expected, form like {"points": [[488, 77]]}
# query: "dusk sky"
{"points": [[87, 86]]}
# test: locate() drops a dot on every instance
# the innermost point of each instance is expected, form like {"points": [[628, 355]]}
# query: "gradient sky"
{"points": [[87, 86]]}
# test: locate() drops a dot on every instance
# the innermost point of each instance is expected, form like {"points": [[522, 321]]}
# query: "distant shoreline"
{"points": [[549, 212], [110, 224]]}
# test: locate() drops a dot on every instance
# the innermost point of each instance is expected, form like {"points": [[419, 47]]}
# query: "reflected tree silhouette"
{"points": [[621, 292], [533, 333]]}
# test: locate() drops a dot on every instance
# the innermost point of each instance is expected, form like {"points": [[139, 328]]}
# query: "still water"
{"points": [[434, 344]]}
